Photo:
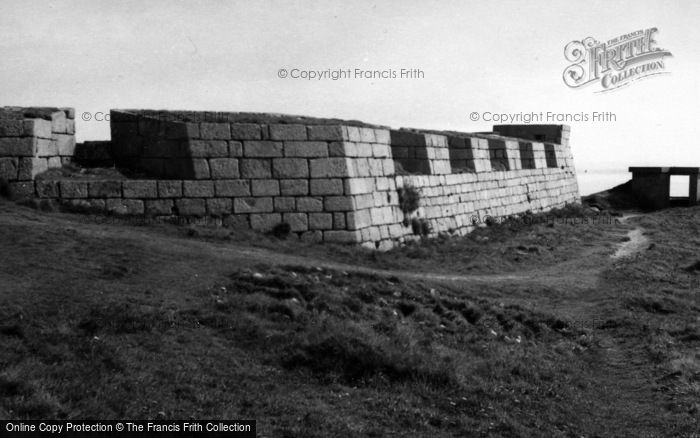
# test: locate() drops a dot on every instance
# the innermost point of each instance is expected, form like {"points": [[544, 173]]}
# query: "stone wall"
{"points": [[330, 180], [33, 140], [453, 203]]}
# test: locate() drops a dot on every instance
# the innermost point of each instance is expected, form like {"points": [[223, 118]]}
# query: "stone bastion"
{"points": [[327, 179]]}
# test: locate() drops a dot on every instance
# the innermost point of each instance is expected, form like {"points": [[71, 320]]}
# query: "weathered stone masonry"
{"points": [[330, 180], [33, 140]]}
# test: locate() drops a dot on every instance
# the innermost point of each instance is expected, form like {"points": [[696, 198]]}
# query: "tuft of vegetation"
{"points": [[281, 230], [409, 199], [421, 226], [4, 188], [356, 354]]}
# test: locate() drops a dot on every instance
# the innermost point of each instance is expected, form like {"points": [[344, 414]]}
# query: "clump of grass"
{"points": [[4, 188], [409, 199], [11, 384], [281, 230], [122, 318], [421, 226], [353, 353], [649, 304]]}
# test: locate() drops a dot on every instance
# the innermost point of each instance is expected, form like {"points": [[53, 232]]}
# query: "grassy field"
{"points": [[516, 330]]}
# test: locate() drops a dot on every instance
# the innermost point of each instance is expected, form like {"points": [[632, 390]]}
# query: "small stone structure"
{"points": [[651, 186], [330, 180]]}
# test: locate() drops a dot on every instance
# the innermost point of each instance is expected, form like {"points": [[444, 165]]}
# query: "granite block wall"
{"points": [[33, 140], [453, 202], [329, 180]]}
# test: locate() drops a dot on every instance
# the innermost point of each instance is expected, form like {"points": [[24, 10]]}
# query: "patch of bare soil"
{"points": [[634, 242]]}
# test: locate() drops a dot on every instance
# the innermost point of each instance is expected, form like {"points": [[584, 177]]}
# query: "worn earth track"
{"points": [[589, 261], [571, 276]]}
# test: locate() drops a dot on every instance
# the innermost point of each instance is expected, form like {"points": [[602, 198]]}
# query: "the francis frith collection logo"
{"points": [[614, 63]]}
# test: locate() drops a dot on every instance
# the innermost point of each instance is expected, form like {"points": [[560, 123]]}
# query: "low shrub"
{"points": [[281, 230], [409, 199], [421, 226]]}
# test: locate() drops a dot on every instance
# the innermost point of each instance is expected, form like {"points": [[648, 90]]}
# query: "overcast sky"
{"points": [[495, 56]]}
